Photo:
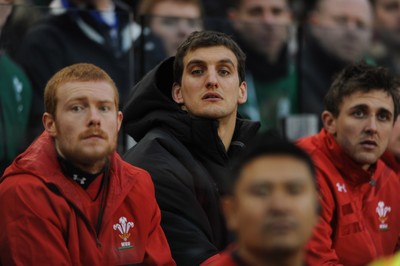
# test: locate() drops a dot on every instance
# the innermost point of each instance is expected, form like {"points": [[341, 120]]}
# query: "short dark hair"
{"points": [[360, 77], [202, 39], [267, 144]]}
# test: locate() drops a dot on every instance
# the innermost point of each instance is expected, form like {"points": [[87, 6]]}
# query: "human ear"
{"points": [[119, 119], [228, 205], [49, 124], [177, 93], [242, 93], [329, 122]]}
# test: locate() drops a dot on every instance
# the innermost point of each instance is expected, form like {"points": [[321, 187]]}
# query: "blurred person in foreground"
{"points": [[70, 199], [15, 101], [183, 114], [338, 32], [359, 193], [262, 29], [273, 206]]}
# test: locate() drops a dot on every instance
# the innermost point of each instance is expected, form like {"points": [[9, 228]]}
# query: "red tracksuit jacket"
{"points": [[45, 216], [360, 219]]}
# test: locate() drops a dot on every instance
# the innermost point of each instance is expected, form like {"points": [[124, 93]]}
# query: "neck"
{"points": [[272, 258], [226, 127]]}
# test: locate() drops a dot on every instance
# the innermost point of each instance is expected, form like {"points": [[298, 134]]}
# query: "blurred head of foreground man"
{"points": [[273, 207], [80, 203], [358, 192], [183, 114]]}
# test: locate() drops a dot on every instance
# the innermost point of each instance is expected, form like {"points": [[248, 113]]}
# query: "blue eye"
{"points": [[105, 108]]}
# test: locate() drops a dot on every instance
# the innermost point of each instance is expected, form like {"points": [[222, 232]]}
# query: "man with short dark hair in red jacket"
{"points": [[359, 194]]}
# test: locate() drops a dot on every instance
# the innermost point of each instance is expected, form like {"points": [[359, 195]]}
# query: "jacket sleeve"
{"points": [[30, 224], [157, 249], [319, 248]]}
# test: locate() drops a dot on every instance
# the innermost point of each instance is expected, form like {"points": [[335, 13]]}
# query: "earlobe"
{"points": [[49, 124], [242, 93], [120, 117], [177, 93], [329, 122]]}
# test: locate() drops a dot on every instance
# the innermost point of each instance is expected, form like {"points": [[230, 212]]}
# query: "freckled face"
{"points": [[86, 123]]}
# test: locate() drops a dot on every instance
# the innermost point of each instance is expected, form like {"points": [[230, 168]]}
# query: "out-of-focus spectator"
{"points": [[172, 20], [165, 24], [15, 101], [392, 155], [273, 206], [339, 32], [262, 30], [24, 15], [97, 32], [386, 48]]}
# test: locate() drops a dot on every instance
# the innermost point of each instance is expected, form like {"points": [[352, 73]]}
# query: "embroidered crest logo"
{"points": [[79, 180], [341, 187], [123, 227], [382, 211]]}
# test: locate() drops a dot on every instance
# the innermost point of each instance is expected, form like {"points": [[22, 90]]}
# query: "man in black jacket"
{"points": [[184, 116]]}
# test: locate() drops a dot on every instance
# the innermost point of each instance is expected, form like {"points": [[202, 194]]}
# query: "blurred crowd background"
{"points": [[294, 49]]}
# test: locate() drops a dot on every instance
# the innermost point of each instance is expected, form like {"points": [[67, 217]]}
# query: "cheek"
{"points": [[251, 210]]}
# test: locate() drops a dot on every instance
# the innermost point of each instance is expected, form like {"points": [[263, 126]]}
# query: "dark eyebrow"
{"points": [[195, 62], [201, 62], [226, 61], [359, 106]]}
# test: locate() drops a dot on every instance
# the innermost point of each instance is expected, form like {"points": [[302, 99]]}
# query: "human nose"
{"points": [[94, 117], [184, 28], [371, 125], [279, 202], [212, 80]]}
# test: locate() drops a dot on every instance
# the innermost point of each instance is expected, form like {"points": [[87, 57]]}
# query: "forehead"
{"points": [[264, 4], [210, 55], [378, 99], [276, 169], [98, 90], [176, 9], [350, 8]]}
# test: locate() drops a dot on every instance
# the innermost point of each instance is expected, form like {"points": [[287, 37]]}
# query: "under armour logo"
{"points": [[80, 180], [341, 188]]}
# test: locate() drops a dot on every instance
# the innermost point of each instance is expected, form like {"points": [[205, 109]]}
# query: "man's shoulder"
{"points": [[26, 189], [310, 144], [156, 145]]}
